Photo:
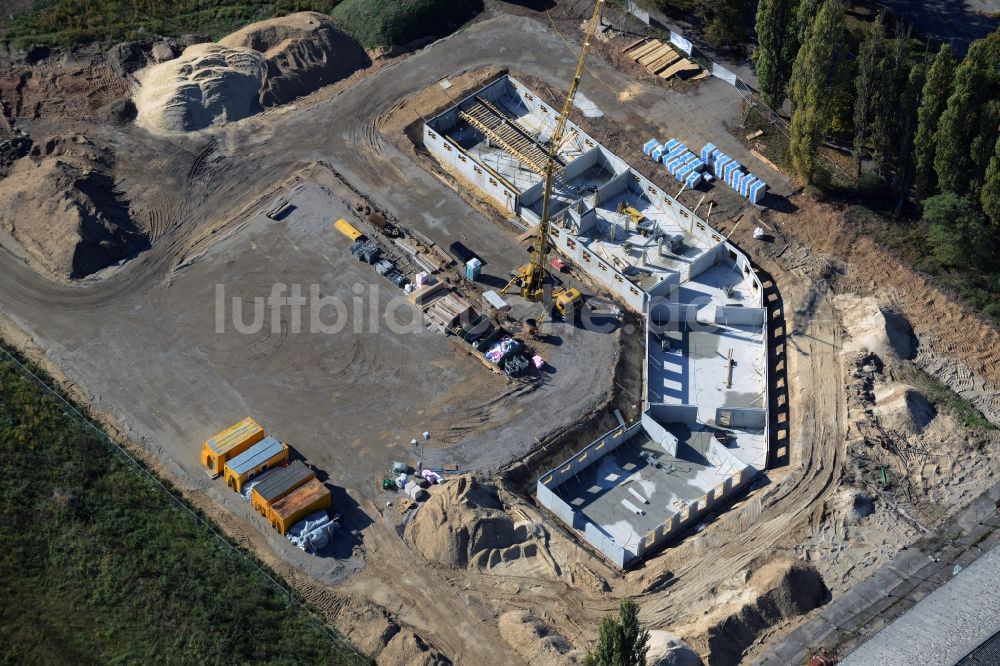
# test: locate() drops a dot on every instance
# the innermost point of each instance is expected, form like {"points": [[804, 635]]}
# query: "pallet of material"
{"points": [[684, 65], [654, 55], [664, 62], [634, 44], [647, 48]]}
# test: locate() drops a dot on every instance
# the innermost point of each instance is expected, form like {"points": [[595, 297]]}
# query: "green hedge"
{"points": [[383, 23]]}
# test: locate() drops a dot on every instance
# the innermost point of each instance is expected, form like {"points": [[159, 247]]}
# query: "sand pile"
{"points": [[903, 408], [262, 65], [303, 51], [207, 85], [463, 524], [665, 649], [536, 642], [776, 592], [877, 329], [66, 213]]}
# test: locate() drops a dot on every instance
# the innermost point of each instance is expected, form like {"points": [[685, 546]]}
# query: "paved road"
{"points": [[914, 575]]}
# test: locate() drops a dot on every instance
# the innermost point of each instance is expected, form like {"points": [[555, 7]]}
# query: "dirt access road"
{"points": [[167, 395]]}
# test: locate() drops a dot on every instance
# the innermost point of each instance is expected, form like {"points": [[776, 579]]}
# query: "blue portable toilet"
{"points": [[706, 151], [757, 191], [473, 267], [649, 146], [720, 165]]}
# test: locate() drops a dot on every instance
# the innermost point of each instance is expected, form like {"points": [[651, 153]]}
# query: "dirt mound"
{"points": [[67, 214], [665, 649], [207, 85], [303, 51], [776, 592], [904, 408], [536, 642], [463, 523], [852, 506], [877, 329]]}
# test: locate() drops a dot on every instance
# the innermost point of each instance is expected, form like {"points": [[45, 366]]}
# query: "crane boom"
{"points": [[532, 276]]}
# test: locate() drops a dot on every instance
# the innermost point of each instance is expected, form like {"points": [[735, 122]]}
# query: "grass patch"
{"points": [[943, 398], [383, 23], [374, 23], [68, 23], [100, 566]]}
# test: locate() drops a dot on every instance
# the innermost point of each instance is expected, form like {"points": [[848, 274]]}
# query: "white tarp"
{"points": [[680, 42]]}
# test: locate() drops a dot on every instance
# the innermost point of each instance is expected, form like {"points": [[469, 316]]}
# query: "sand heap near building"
{"points": [[264, 64]]}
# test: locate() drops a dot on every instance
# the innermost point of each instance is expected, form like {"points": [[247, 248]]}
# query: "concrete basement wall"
{"points": [[730, 316], [749, 418]]}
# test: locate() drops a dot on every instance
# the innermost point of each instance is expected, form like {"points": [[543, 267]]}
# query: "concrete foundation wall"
{"points": [[749, 418], [730, 316], [667, 314], [673, 413], [659, 434], [709, 258], [552, 502], [598, 269], [603, 542], [451, 154]]}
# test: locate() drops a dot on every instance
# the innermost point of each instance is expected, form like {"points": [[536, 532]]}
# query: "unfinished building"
{"points": [[703, 432]]}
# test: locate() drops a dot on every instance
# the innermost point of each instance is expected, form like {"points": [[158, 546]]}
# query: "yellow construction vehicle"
{"points": [[568, 301], [633, 214], [531, 277]]}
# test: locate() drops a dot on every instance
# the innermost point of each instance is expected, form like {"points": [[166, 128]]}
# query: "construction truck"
{"points": [[568, 302]]}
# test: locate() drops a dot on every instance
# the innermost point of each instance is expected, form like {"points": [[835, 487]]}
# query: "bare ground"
{"points": [[384, 594]]}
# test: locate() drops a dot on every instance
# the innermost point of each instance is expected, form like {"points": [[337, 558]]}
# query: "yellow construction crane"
{"points": [[531, 276]]}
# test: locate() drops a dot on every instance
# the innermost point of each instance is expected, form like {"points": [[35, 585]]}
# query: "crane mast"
{"points": [[532, 275]]}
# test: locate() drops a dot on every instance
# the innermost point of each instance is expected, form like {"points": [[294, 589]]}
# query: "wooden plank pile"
{"points": [[660, 59]]}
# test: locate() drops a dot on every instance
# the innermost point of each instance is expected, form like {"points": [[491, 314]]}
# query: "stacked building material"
{"points": [[731, 172]]}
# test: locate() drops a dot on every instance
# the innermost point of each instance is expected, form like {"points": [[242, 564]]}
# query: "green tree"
{"points": [[962, 138], [804, 16], [933, 100], [621, 641], [727, 26], [905, 167], [893, 75], [777, 44], [990, 196], [959, 236], [815, 67], [866, 83]]}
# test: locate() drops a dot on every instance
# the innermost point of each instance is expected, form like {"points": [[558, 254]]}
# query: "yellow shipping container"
{"points": [[296, 505], [277, 483], [346, 228], [228, 444], [266, 454]]}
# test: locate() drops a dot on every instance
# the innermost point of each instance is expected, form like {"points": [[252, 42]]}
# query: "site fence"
{"points": [[130, 462]]}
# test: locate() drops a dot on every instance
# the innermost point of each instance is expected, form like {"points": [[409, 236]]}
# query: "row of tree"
{"points": [[924, 125]]}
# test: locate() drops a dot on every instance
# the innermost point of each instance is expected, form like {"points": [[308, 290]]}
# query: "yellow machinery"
{"points": [[348, 229], [228, 444], [568, 301], [531, 276], [632, 213]]}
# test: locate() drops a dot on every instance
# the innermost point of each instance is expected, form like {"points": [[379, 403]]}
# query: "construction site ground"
{"points": [[137, 343]]}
